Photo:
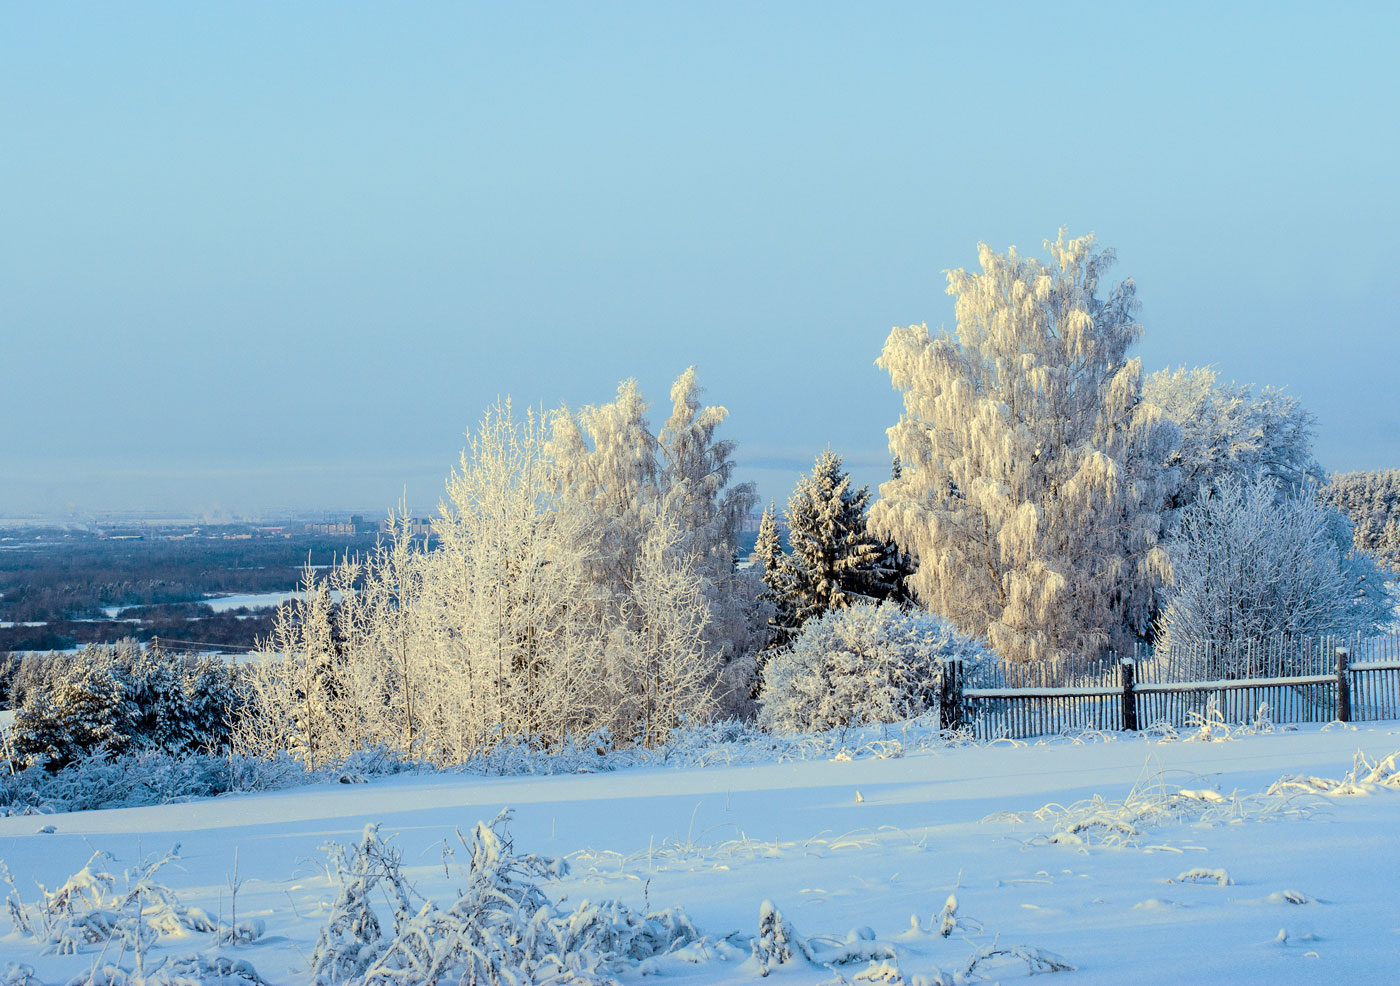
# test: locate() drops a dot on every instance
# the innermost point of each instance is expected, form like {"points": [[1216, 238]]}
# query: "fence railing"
{"points": [[1347, 679]]}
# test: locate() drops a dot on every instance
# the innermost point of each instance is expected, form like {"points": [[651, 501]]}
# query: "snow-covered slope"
{"points": [[1201, 886]]}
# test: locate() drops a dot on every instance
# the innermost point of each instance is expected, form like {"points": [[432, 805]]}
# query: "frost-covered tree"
{"points": [[610, 465], [604, 463], [540, 614], [660, 668], [1229, 430], [1256, 565], [862, 664], [709, 509], [777, 580], [386, 635], [515, 603], [833, 560], [293, 695], [1031, 476]]}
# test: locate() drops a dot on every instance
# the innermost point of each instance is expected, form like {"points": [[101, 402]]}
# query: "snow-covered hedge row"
{"points": [[860, 665], [121, 699]]}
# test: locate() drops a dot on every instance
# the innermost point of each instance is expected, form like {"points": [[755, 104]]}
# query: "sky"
{"points": [[263, 256]]}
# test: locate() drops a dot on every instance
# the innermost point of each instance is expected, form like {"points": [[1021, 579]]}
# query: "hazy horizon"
{"points": [[264, 258]]}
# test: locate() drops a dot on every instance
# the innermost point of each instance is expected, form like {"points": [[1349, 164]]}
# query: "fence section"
{"points": [[1355, 679]]}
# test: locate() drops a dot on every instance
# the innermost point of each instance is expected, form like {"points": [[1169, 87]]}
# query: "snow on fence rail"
{"points": [[1347, 679]]}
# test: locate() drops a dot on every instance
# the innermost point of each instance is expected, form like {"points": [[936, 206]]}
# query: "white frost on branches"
{"points": [[1256, 564], [1228, 430], [863, 664], [1031, 478], [582, 583]]}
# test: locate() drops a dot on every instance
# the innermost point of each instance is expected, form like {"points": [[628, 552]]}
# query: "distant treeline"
{"points": [[75, 579], [1372, 501], [191, 627]]}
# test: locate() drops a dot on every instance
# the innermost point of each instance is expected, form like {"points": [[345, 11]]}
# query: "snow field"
{"points": [[1215, 878]]}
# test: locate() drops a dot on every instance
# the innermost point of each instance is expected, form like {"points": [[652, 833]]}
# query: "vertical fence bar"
{"points": [[1130, 719], [1343, 687], [950, 697]]}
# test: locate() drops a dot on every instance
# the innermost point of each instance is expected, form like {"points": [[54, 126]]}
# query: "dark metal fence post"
{"points": [[950, 697], [1129, 695], [1343, 687]]}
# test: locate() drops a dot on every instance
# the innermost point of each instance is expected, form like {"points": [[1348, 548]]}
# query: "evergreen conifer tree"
{"points": [[834, 559], [776, 580]]}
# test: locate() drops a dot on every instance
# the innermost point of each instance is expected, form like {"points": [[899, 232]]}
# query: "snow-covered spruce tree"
{"points": [[1257, 565], [777, 582], [211, 698], [75, 711], [1229, 430], [122, 698], [157, 709], [833, 560], [1032, 480], [862, 664]]}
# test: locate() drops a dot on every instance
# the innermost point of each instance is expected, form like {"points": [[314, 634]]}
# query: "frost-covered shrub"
{"points": [[859, 665], [93, 909], [501, 929]]}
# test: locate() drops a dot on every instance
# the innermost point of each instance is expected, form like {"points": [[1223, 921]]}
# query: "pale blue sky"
{"points": [[261, 255]]}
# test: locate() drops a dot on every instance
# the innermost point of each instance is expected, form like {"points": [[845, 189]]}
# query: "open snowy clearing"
{"points": [[1194, 885]]}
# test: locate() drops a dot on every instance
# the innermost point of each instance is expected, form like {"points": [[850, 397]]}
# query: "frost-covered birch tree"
{"points": [[510, 592], [697, 472], [294, 697], [611, 466], [387, 637], [660, 668], [573, 586], [1031, 478]]}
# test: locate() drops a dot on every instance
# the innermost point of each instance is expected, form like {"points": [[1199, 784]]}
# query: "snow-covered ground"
{"points": [[1212, 882]]}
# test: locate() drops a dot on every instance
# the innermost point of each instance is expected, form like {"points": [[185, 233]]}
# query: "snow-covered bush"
{"points": [[501, 929], [93, 908], [863, 664], [147, 777]]}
